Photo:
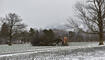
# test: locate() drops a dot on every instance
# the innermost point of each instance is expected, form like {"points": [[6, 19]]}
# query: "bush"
{"points": [[46, 38]]}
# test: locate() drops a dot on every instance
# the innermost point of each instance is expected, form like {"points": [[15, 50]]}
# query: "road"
{"points": [[58, 53]]}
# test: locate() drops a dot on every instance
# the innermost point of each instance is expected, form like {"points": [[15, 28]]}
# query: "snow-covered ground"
{"points": [[76, 51], [28, 47]]}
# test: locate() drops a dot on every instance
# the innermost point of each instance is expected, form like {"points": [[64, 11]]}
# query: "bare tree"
{"points": [[14, 24], [73, 24], [92, 15]]}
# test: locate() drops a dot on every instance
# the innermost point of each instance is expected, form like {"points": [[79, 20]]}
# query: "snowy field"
{"points": [[76, 51]]}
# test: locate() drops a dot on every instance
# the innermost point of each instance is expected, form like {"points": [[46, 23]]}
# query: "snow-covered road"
{"points": [[59, 53], [88, 52]]}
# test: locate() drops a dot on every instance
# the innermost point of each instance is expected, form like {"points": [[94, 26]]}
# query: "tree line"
{"points": [[13, 31]]}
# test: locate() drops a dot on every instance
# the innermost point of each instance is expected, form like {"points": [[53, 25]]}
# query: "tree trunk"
{"points": [[10, 40], [10, 37], [101, 41]]}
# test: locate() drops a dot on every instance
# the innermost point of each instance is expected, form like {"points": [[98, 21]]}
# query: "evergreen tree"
{"points": [[4, 30], [49, 37], [32, 32], [4, 33]]}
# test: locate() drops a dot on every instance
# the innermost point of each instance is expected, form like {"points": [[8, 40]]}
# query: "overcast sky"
{"points": [[39, 13]]}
